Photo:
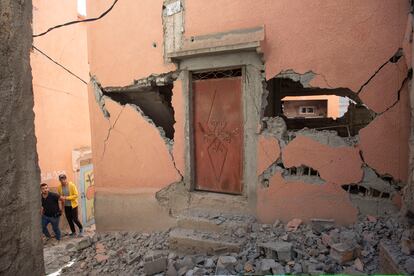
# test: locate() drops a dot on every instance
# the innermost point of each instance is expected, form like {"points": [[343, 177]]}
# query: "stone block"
{"points": [[155, 262], [279, 250], [225, 264], [83, 243], [321, 225], [342, 253]]}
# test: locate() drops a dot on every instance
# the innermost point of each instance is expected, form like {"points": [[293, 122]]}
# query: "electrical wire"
{"points": [[60, 65], [77, 21]]}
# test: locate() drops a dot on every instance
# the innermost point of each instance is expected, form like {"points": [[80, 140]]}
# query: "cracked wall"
{"points": [[354, 54], [131, 157], [20, 230]]}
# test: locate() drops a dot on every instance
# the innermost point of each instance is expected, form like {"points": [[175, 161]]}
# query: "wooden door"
{"points": [[218, 135]]}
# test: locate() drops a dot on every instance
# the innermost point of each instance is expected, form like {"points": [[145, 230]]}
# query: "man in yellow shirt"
{"points": [[69, 196]]}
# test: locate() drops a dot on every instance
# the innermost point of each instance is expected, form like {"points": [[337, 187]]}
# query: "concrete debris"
{"points": [[342, 253], [304, 79], [372, 181], [83, 243], [279, 250], [225, 265], [276, 126], [315, 248], [99, 96], [155, 262], [321, 225], [358, 265]]}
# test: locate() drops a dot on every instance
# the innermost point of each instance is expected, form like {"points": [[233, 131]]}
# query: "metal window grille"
{"points": [[230, 73]]}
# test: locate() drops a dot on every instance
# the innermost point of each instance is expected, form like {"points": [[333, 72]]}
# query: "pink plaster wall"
{"points": [[384, 142], [358, 36], [287, 200], [337, 165], [268, 151], [134, 154], [121, 44], [60, 100], [382, 91]]}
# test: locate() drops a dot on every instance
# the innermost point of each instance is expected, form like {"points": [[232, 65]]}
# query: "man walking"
{"points": [[69, 196], [51, 211]]}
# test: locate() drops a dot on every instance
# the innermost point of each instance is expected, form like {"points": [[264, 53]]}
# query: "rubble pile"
{"points": [[295, 248]]}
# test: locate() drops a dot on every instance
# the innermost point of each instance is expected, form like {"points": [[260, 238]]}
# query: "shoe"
{"points": [[72, 234]]}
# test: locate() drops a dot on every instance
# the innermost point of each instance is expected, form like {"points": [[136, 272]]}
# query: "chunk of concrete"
{"points": [[266, 266], [342, 253], [155, 262], [225, 264], [83, 243], [279, 250], [321, 225]]}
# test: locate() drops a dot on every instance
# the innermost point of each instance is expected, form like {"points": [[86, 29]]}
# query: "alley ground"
{"points": [[238, 245]]}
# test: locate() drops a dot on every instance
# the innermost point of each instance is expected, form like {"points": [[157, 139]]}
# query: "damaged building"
{"points": [[227, 136], [270, 111]]}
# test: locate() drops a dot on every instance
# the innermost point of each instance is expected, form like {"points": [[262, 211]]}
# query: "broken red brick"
{"points": [[100, 248], [293, 225], [248, 267]]}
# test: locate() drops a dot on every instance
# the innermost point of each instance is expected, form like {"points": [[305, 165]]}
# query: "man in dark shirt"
{"points": [[51, 211]]}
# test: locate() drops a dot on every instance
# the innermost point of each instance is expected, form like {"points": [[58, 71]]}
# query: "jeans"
{"points": [[55, 226], [72, 217]]}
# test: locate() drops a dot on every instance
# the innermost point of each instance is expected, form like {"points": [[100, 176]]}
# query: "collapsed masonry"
{"points": [[240, 245]]}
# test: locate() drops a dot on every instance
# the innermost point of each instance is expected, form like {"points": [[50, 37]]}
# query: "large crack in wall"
{"points": [[150, 97], [373, 189]]}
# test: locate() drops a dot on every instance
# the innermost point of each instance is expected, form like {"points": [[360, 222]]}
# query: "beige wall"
{"points": [[60, 100]]}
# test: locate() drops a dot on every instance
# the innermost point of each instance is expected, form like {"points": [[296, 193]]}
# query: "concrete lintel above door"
{"points": [[219, 43]]}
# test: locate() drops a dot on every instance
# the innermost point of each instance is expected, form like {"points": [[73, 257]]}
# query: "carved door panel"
{"points": [[218, 135]]}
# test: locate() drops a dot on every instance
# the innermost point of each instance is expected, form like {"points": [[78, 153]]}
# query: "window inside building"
{"points": [[301, 107], [307, 110]]}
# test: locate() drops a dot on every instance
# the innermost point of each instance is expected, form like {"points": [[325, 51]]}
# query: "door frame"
{"points": [[252, 67], [194, 163]]}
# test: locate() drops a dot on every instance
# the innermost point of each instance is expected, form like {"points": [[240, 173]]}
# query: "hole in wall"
{"points": [[365, 192], [337, 109], [154, 101]]}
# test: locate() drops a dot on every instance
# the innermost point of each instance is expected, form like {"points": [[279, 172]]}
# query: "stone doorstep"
{"points": [[190, 241]]}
